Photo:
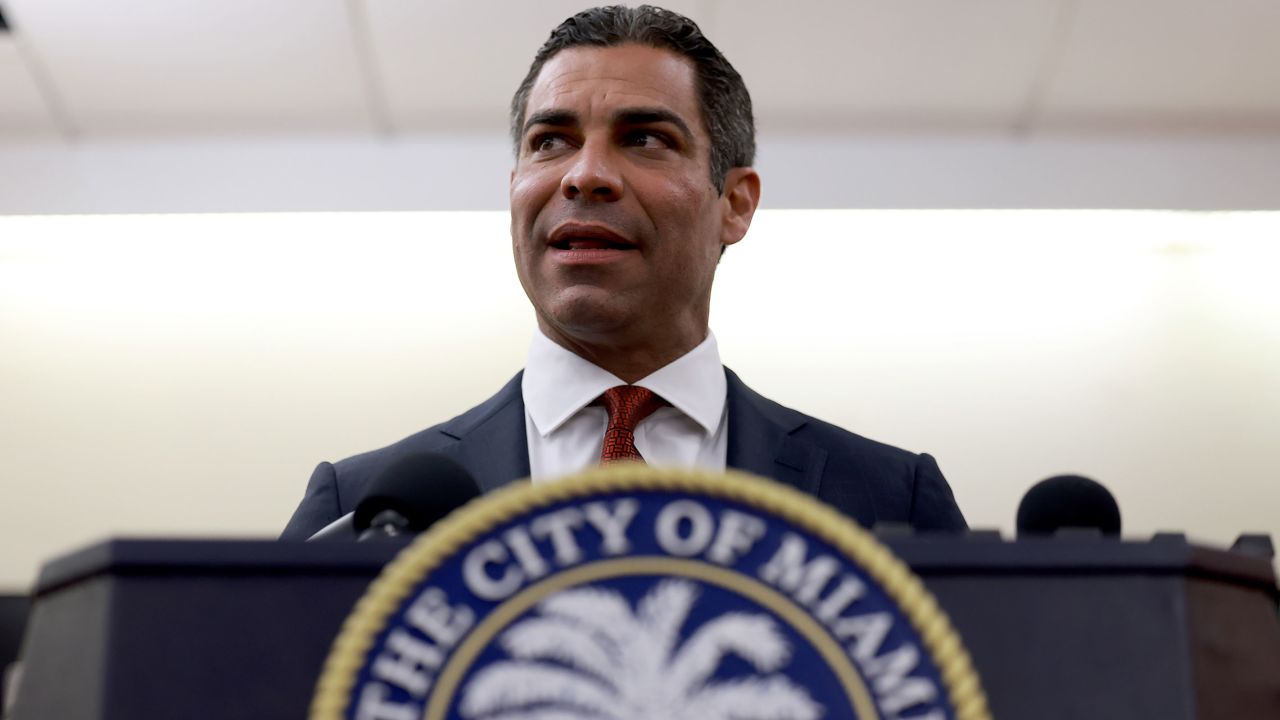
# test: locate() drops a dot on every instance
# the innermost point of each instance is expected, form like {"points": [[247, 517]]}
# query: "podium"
{"points": [[1058, 628]]}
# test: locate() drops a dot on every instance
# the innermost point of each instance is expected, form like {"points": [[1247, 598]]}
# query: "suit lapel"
{"points": [[761, 442], [491, 441]]}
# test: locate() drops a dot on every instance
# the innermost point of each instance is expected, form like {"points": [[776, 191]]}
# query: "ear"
{"points": [[739, 200]]}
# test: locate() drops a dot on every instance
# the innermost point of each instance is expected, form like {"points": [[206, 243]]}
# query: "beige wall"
{"points": [[181, 374]]}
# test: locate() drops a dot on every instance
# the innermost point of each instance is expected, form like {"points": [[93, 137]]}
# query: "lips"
{"points": [[588, 236], [588, 243]]}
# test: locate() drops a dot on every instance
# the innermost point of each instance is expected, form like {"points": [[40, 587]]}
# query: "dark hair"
{"points": [[722, 96]]}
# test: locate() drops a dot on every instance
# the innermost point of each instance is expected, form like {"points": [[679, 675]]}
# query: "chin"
{"points": [[589, 314]]}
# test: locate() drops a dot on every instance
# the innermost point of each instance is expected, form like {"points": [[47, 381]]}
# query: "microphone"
{"points": [[1068, 501], [408, 496], [339, 529], [411, 494]]}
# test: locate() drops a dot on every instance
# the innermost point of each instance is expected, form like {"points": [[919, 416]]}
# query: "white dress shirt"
{"points": [[565, 432]]}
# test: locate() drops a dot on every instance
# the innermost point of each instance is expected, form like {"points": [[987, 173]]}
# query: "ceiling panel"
{"points": [[22, 109], [196, 66], [1213, 65], [453, 64], [192, 67], [908, 63]]}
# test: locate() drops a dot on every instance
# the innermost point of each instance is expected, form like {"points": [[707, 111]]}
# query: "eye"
{"points": [[547, 142], [647, 139]]}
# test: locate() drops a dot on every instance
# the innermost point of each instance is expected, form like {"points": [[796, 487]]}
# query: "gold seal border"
{"points": [[818, 636], [411, 566]]}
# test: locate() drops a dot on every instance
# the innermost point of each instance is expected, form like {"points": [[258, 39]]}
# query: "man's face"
{"points": [[615, 224]]}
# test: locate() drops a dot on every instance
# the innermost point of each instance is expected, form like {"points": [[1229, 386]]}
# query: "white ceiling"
{"points": [[1180, 63], [87, 69]]}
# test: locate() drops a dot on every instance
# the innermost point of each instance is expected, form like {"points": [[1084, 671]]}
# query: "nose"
{"points": [[593, 175]]}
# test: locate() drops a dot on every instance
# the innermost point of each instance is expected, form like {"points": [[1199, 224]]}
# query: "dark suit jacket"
{"points": [[868, 481]]}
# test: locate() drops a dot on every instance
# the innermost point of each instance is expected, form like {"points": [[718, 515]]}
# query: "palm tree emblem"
{"points": [[588, 655]]}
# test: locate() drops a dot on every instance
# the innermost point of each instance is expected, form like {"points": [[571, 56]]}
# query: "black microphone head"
{"points": [[420, 487], [1068, 501]]}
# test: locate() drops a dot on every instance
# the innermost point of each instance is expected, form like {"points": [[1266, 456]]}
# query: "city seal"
{"points": [[637, 593]]}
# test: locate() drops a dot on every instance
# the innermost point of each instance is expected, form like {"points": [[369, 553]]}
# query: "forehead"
{"points": [[591, 81]]}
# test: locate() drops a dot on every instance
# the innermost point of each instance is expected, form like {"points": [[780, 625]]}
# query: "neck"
{"points": [[628, 361]]}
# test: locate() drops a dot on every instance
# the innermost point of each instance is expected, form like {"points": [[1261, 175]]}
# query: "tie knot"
{"points": [[628, 405]]}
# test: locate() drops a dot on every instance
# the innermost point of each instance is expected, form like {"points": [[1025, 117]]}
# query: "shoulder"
{"points": [[354, 472], [848, 448], [335, 488], [832, 438], [858, 464], [900, 486], [869, 480]]}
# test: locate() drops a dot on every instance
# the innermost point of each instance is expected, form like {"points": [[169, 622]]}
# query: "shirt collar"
{"points": [[557, 384]]}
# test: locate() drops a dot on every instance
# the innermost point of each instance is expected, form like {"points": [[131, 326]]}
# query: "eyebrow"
{"points": [[554, 118], [622, 116], [649, 116]]}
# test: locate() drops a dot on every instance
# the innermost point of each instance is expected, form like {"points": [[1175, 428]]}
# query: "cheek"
{"points": [[529, 193], [698, 222], [524, 210], [520, 202]]}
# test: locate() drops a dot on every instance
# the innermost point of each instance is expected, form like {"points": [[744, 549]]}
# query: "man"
{"points": [[634, 143]]}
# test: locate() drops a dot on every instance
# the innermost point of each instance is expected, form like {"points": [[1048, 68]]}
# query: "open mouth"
{"points": [[590, 243], [589, 240]]}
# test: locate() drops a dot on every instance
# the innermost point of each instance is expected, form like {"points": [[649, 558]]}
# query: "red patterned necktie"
{"points": [[627, 406]]}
